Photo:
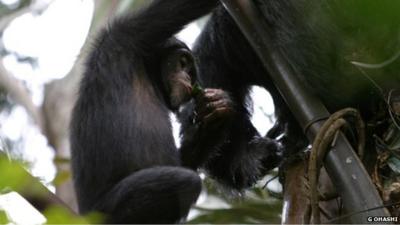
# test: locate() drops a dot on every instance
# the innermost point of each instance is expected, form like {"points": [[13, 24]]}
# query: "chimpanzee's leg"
{"points": [[157, 195]]}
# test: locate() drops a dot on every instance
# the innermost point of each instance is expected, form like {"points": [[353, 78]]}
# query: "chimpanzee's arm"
{"points": [[206, 121], [235, 154]]}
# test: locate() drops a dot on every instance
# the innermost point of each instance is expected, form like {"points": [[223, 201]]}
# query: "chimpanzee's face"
{"points": [[178, 73]]}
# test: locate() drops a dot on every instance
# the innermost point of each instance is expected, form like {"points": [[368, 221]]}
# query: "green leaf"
{"points": [[12, 175], [395, 143], [61, 177], [394, 164], [60, 215], [244, 214], [3, 218], [265, 211], [260, 193], [61, 160], [196, 90]]}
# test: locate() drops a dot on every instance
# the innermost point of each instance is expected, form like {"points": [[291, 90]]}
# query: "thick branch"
{"points": [[30, 187]]}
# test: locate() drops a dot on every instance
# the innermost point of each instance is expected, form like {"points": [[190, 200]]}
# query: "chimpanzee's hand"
{"points": [[214, 107]]}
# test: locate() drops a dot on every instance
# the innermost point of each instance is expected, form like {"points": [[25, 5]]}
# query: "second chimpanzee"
{"points": [[324, 41]]}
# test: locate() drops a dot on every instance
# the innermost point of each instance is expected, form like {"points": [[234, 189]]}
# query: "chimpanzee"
{"points": [[125, 163], [323, 41]]}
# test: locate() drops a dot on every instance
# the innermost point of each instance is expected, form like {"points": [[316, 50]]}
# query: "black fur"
{"points": [[227, 61], [125, 163]]}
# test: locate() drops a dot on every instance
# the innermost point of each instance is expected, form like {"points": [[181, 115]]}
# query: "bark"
{"points": [[296, 204]]}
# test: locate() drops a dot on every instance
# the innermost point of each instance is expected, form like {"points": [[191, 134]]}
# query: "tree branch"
{"points": [[20, 94]]}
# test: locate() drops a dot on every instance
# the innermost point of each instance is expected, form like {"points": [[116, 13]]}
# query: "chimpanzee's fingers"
{"points": [[215, 94], [203, 106], [221, 103], [203, 110], [201, 100], [217, 114], [217, 107], [214, 106]]}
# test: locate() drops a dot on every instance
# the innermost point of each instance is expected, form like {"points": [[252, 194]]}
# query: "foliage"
{"points": [[256, 206], [62, 176], [394, 164], [59, 215], [15, 178], [12, 176], [266, 212], [3, 217]]}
